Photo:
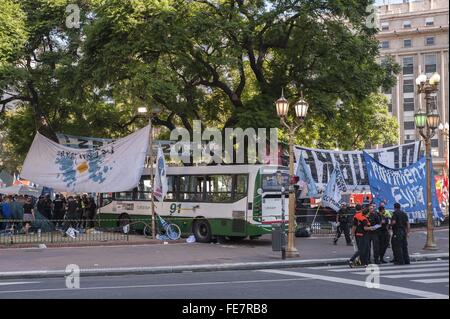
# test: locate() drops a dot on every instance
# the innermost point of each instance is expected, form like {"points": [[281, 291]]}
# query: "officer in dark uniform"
{"points": [[383, 232], [342, 222], [372, 236], [400, 232]]}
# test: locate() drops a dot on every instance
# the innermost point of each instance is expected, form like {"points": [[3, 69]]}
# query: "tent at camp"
{"points": [[21, 190]]}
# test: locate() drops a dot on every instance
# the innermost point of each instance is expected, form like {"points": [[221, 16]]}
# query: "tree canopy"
{"points": [[221, 61]]}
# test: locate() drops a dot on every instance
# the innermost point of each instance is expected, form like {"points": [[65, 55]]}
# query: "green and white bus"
{"points": [[233, 201]]}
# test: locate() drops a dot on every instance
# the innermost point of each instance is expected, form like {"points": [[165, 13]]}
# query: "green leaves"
{"points": [[220, 61]]}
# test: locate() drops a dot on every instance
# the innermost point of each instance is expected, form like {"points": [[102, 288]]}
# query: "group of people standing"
{"points": [[77, 212], [371, 230]]}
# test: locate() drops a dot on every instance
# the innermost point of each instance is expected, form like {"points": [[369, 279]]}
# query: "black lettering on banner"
{"points": [[395, 150], [325, 158], [408, 154], [375, 155], [359, 171], [346, 168], [309, 159], [82, 143], [365, 177]]}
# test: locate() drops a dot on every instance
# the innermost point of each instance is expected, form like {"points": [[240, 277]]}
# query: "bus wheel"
{"points": [[202, 231], [124, 219], [255, 237]]}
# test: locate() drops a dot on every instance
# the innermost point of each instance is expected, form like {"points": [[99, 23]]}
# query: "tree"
{"points": [[222, 61], [192, 56]]}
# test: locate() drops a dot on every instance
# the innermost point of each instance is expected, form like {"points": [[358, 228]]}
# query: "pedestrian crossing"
{"points": [[425, 272]]}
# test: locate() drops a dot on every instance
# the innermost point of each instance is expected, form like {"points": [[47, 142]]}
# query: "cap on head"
{"points": [[397, 206]]}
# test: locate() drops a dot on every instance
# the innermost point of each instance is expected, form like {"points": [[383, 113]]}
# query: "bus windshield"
{"points": [[273, 182]]}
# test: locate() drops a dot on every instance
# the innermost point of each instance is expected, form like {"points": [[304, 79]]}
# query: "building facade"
{"points": [[415, 34]]}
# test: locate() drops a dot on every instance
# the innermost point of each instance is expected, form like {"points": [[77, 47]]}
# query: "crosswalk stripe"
{"points": [[435, 274], [397, 271], [429, 262], [411, 266], [431, 281], [18, 283], [403, 290]]}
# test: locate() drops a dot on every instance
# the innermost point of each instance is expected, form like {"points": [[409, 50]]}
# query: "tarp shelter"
{"points": [[21, 190]]}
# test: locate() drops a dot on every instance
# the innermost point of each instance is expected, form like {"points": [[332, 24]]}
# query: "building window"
{"points": [[429, 21], [434, 142], [409, 125], [408, 86], [384, 44], [385, 26], [430, 63], [406, 24], [429, 41], [390, 107], [408, 104], [407, 43], [408, 65]]}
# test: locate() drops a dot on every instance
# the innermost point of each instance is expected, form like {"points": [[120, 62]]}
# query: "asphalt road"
{"points": [[426, 279]]}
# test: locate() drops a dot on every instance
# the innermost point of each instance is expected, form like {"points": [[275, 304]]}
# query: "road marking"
{"points": [[408, 291], [383, 268], [18, 283], [399, 271], [431, 281], [156, 285], [435, 274], [430, 262]]}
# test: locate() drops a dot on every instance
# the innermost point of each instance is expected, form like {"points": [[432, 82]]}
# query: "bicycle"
{"points": [[172, 231]]}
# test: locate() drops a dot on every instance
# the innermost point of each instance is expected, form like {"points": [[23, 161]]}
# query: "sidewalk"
{"points": [[196, 257]]}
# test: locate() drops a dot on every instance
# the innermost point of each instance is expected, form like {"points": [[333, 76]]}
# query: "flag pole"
{"points": [[152, 177]]}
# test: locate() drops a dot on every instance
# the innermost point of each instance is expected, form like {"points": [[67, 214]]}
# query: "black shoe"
{"points": [[335, 241], [350, 263], [382, 261]]}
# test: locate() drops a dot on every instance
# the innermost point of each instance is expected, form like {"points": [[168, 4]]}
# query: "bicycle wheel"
{"points": [[173, 231], [147, 231]]}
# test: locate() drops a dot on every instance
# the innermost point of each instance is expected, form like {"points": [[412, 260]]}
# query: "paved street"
{"points": [[428, 279], [191, 254]]}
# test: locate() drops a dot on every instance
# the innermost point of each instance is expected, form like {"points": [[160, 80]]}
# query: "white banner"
{"points": [[353, 167], [114, 167]]}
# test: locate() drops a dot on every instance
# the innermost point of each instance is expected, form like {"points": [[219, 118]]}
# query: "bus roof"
{"points": [[218, 169]]}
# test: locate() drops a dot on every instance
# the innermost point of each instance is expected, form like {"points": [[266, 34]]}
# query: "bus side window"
{"points": [[241, 186]]}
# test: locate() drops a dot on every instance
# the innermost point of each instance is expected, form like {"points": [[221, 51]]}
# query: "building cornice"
{"points": [[416, 31]]}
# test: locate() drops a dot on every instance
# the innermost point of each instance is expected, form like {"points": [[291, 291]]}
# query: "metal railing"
{"points": [[45, 231]]}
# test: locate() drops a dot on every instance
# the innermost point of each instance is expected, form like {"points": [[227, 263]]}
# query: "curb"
{"points": [[196, 268]]}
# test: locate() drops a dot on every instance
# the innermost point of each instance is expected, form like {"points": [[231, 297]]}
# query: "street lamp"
{"points": [[427, 123], [142, 111], [301, 109]]}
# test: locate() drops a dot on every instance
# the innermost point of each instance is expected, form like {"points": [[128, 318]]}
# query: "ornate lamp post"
{"points": [[427, 123], [301, 109], [142, 111]]}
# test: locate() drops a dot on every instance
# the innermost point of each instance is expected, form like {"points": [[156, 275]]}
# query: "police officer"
{"points": [[400, 232], [372, 236], [383, 232], [360, 228], [342, 224]]}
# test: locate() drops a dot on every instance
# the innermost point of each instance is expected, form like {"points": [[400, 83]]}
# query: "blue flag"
{"points": [[304, 174], [406, 186]]}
